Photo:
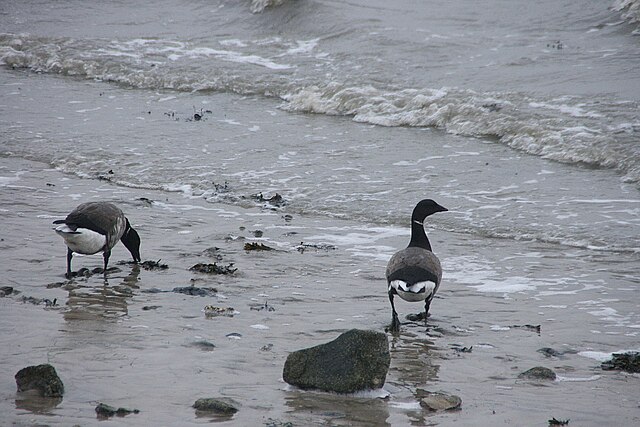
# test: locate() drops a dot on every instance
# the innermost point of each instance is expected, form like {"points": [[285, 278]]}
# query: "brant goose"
{"points": [[96, 227], [414, 273]]}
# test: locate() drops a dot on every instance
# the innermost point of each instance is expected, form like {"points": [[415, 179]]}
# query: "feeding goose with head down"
{"points": [[414, 273], [95, 227]]}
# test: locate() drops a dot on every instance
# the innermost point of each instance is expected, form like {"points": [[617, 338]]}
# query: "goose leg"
{"points": [[427, 304], [106, 256], [69, 256], [395, 323]]}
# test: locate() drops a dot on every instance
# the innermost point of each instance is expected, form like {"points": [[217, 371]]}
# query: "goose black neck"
{"points": [[418, 236]]}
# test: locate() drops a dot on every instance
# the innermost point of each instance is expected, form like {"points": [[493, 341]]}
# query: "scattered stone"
{"points": [[153, 265], [257, 233], [146, 201], [105, 411], [538, 373], [253, 246], [628, 362], [214, 268], [234, 335], [41, 377], [5, 290], [554, 422], [213, 311], [267, 347], [216, 406], [195, 291], [434, 401], [150, 307], [356, 360], [204, 345]]}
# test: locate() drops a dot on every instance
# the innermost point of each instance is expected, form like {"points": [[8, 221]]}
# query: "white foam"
{"points": [[259, 326], [560, 378], [602, 356]]}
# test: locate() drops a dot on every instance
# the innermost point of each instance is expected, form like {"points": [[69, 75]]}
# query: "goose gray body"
{"points": [[414, 273], [95, 227]]}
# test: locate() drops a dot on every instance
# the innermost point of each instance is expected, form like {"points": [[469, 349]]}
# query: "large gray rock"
{"points": [[42, 378], [356, 360]]}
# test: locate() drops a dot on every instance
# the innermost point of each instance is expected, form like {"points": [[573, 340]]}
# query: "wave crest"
{"points": [[563, 129]]}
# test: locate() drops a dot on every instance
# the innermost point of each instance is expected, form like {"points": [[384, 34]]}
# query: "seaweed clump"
{"points": [[628, 362], [214, 268]]}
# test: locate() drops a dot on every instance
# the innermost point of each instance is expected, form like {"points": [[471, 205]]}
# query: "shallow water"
{"points": [[108, 348], [532, 146]]}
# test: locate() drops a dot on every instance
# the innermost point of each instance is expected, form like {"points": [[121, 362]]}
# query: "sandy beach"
{"points": [[129, 341]]}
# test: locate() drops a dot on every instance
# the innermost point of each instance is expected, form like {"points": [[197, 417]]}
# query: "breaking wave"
{"points": [[598, 132]]}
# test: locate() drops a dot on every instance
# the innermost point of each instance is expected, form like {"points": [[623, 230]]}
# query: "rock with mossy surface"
{"points": [[225, 407], [43, 378], [356, 360], [539, 373]]}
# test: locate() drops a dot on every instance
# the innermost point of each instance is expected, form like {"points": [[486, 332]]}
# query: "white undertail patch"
{"points": [[82, 240], [413, 292]]}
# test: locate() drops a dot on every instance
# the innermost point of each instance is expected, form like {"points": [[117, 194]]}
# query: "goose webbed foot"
{"points": [[417, 317], [394, 327]]}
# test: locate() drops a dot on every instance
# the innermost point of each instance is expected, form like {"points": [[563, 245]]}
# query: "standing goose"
{"points": [[96, 227], [414, 273]]}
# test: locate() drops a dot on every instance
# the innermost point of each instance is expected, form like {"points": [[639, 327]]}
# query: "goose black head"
{"points": [[424, 208], [131, 241]]}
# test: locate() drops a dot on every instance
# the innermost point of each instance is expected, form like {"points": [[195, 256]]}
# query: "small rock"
{"points": [[204, 345], [150, 307], [195, 291], [628, 362], [106, 411], [434, 401], [538, 373], [554, 422], [216, 406], [356, 360], [234, 335], [41, 377]]}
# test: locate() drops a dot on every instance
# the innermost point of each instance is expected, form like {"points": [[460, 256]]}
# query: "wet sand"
{"points": [[128, 341]]}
